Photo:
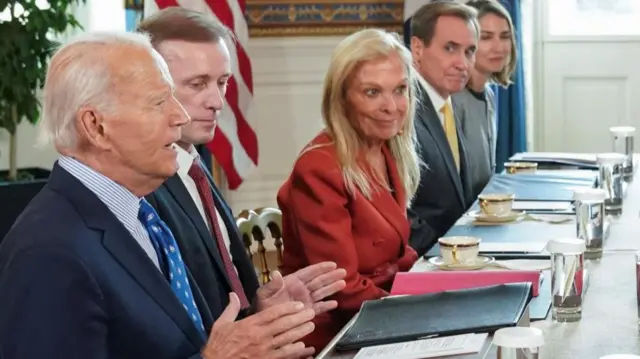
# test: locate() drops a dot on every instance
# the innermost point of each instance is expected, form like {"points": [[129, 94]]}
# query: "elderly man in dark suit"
{"points": [[444, 36], [90, 270], [196, 51]]}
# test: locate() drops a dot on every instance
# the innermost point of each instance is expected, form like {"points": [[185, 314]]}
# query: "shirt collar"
{"points": [[185, 159], [435, 97], [120, 201]]}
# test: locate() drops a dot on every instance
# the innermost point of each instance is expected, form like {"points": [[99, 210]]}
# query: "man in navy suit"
{"points": [[198, 58], [89, 270]]}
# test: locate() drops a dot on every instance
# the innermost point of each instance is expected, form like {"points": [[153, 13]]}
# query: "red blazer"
{"points": [[321, 221]]}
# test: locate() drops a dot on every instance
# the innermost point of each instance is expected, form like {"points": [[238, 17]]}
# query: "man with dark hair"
{"points": [[195, 49], [444, 36]]}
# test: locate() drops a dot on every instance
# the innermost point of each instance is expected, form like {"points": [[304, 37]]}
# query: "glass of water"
{"points": [[610, 179], [623, 137], [567, 278], [638, 284]]}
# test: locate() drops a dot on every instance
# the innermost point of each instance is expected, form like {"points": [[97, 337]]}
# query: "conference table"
{"points": [[609, 323]]}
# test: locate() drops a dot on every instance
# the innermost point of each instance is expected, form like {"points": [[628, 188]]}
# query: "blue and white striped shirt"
{"points": [[120, 201]]}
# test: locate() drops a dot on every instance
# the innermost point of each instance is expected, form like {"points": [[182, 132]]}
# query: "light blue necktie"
{"points": [[169, 254]]}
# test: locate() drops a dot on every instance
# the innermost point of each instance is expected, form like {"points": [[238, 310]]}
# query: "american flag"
{"points": [[235, 144]]}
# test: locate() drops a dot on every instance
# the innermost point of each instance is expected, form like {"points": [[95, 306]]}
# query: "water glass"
{"points": [[590, 217], [638, 284], [518, 342], [610, 179], [623, 142], [567, 278]]}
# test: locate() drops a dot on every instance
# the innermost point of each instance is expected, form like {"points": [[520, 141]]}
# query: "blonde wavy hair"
{"points": [[363, 46]]}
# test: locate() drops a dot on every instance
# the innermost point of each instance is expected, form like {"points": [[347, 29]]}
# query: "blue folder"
{"points": [[555, 159], [546, 186], [525, 231]]}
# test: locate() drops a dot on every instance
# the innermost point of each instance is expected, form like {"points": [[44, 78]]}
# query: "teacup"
{"points": [[496, 204], [520, 167], [459, 250]]}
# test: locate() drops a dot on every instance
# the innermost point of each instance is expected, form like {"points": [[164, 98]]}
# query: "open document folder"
{"points": [[406, 318]]}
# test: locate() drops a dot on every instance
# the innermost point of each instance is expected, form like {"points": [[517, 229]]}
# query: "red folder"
{"points": [[413, 283]]}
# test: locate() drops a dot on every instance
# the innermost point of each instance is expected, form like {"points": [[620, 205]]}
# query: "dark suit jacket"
{"points": [[444, 194], [76, 285], [198, 246], [323, 222]]}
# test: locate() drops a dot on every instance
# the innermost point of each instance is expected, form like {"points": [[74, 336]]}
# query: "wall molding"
{"points": [[321, 17], [289, 61], [256, 192]]}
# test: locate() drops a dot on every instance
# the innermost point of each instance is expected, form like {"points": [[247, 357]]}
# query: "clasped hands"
{"points": [[285, 308]]}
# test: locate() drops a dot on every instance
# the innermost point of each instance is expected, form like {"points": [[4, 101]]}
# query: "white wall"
{"points": [[28, 154], [288, 75]]}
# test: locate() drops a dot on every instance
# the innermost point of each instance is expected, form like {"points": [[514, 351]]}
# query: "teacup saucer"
{"points": [[492, 218], [479, 263]]}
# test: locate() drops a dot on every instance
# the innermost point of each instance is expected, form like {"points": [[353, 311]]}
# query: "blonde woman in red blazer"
{"points": [[346, 199]]}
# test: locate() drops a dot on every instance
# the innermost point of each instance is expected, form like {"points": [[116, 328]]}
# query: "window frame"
{"points": [[549, 36]]}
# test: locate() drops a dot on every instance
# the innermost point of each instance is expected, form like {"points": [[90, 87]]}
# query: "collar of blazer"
{"points": [[181, 195], [391, 205]]}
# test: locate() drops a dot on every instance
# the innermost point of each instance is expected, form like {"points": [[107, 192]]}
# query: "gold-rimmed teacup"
{"points": [[459, 249], [520, 167], [496, 204]]}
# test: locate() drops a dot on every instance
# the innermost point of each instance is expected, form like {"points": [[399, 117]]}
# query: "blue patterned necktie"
{"points": [[169, 254]]}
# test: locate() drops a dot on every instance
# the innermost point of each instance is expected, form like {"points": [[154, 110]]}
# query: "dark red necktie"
{"points": [[202, 183]]}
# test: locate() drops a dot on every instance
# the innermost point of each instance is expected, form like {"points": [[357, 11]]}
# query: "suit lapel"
{"points": [[182, 196], [392, 208], [124, 248], [432, 122], [128, 253]]}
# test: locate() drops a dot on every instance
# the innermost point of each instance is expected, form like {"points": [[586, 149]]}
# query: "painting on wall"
{"points": [[267, 18]]}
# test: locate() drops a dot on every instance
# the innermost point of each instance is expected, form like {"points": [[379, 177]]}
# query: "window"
{"points": [[94, 15], [593, 17], [18, 9]]}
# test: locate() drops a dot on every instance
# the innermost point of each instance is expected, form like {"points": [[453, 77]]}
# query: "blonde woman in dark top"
{"points": [[476, 104]]}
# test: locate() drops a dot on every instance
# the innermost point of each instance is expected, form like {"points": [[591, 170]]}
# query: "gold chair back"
{"points": [[255, 227]]}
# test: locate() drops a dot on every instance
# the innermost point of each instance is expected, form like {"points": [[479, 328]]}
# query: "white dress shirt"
{"points": [[185, 160], [437, 101]]}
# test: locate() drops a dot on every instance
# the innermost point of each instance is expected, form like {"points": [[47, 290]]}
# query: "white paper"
{"points": [[512, 247], [426, 348], [542, 205]]}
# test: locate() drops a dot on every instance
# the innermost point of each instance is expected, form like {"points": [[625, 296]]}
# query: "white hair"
{"points": [[79, 74]]}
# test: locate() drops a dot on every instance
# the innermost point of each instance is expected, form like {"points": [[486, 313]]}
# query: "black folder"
{"points": [[405, 318]]}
